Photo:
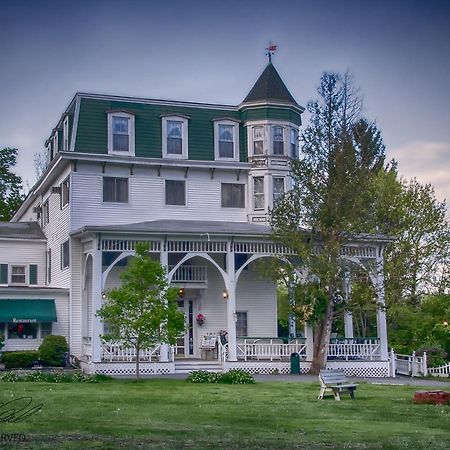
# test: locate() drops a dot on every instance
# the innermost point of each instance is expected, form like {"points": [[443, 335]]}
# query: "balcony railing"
{"points": [[358, 348], [116, 352], [189, 274]]}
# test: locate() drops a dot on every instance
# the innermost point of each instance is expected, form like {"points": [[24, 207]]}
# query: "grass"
{"points": [[121, 414]]}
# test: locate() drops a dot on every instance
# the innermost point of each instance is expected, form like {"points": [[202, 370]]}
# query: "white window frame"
{"points": [[234, 207], [66, 134], [272, 140], [26, 270], [65, 188], [263, 193], [235, 125], [246, 322], [296, 132], [113, 202], [184, 136], [273, 186], [264, 139], [62, 254], [55, 143], [131, 132], [45, 218]]}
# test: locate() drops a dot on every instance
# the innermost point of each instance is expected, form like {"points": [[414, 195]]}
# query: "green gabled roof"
{"points": [[270, 86]]}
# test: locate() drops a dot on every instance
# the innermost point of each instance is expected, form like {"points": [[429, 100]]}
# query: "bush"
{"points": [[23, 359], [237, 376], [436, 356], [84, 378], [52, 351], [233, 376], [59, 377], [10, 377], [2, 343], [36, 376]]}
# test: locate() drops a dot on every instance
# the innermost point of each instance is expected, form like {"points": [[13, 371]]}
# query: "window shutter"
{"points": [[33, 274], [3, 273]]}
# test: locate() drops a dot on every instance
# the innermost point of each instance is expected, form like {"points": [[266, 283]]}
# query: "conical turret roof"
{"points": [[270, 86]]}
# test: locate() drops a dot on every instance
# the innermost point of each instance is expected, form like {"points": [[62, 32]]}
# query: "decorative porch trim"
{"points": [[371, 369], [129, 369], [265, 367]]}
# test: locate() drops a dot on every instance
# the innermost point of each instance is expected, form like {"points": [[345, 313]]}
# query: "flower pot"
{"points": [[200, 322]]}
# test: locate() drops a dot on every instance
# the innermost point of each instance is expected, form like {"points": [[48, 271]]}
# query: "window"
{"points": [[278, 188], [66, 134], [258, 140], [46, 329], [18, 275], [226, 139], [174, 129], [65, 192], [55, 143], [241, 323], [115, 189], [49, 266], [175, 192], [294, 143], [120, 133], [45, 213], [22, 330], [65, 255], [258, 193], [233, 195], [278, 140]]}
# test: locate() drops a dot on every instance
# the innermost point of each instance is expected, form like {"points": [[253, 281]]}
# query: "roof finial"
{"points": [[270, 50]]}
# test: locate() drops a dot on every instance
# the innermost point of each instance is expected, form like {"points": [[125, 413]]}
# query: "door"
{"points": [[185, 344]]}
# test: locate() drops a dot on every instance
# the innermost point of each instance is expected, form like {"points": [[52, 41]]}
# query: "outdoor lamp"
{"points": [[181, 292], [225, 294]]}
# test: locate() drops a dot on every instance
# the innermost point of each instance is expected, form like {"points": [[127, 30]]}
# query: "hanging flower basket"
{"points": [[200, 318]]}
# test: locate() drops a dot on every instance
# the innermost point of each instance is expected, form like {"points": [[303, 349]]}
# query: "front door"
{"points": [[185, 344]]}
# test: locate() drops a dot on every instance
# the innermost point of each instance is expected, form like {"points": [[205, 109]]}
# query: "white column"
{"points": [[381, 311], [97, 327], [309, 335], [164, 260], [231, 305], [291, 316], [348, 316]]}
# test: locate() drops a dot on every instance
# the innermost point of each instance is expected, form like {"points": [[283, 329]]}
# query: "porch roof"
{"points": [[182, 227]]}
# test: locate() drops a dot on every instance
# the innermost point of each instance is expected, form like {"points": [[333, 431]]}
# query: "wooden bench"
{"points": [[335, 382]]}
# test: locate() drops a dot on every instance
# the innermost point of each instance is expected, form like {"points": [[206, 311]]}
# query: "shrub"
{"points": [[36, 376], [2, 343], [59, 377], [23, 359], [203, 376], [10, 377], [52, 350], [436, 356], [237, 376], [85, 378]]}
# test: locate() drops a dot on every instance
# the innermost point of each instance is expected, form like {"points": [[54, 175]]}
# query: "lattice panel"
{"points": [[370, 370], [129, 369], [265, 368]]}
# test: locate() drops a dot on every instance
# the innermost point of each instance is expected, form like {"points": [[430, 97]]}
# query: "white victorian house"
{"points": [[195, 181]]}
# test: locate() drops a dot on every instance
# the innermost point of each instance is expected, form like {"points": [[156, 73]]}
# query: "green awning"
{"points": [[27, 310]]}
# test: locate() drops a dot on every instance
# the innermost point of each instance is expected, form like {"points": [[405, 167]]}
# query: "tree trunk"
{"points": [[323, 338], [138, 351]]}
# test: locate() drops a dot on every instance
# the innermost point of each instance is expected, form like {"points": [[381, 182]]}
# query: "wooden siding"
{"points": [[147, 196], [271, 113], [24, 253], [92, 130]]}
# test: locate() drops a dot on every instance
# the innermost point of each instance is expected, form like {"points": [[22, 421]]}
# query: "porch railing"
{"points": [[351, 349], [189, 274], [117, 352], [269, 348], [410, 365], [87, 348]]}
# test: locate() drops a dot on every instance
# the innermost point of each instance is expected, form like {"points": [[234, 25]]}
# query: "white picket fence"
{"points": [[410, 365], [442, 371]]}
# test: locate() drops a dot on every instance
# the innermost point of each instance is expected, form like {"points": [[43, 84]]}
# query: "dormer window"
{"points": [[55, 143], [66, 134], [258, 140], [121, 133], [175, 137], [278, 140], [226, 140]]}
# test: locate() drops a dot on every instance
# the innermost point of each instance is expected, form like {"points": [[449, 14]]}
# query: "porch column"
{"points": [[164, 260], [381, 311], [97, 327], [348, 316], [309, 335], [291, 316], [230, 285]]}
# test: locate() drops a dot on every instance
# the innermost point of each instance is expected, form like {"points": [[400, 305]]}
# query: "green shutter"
{"points": [[3, 273], [33, 274]]}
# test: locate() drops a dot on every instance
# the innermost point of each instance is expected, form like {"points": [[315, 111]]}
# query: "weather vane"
{"points": [[270, 50]]}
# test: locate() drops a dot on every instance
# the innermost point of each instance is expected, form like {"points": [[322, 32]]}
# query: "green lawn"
{"points": [[175, 414]]}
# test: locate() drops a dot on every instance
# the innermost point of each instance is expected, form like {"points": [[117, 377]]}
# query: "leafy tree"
{"points": [[40, 163], [144, 310], [331, 199], [10, 184]]}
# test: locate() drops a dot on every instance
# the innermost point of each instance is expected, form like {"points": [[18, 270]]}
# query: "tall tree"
{"points": [[10, 184], [340, 154], [143, 312]]}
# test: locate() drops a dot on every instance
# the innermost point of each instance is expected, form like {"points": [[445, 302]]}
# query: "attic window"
{"points": [[226, 140], [175, 137], [258, 140], [121, 133]]}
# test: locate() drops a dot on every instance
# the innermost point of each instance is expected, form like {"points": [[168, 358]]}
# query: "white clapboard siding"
{"points": [[24, 253], [147, 199], [76, 296]]}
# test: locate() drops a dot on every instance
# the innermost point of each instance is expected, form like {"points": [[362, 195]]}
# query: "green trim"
{"points": [[33, 273], [27, 310], [3, 273]]}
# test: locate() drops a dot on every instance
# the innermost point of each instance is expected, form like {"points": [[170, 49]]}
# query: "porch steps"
{"points": [[188, 365]]}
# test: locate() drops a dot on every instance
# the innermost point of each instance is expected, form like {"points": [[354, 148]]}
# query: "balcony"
{"points": [[186, 274]]}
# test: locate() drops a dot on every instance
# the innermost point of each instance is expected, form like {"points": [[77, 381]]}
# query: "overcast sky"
{"points": [[213, 51]]}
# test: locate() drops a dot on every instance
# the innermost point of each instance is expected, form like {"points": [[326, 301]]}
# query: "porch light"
{"points": [[225, 294], [181, 292], [104, 295], [445, 323]]}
